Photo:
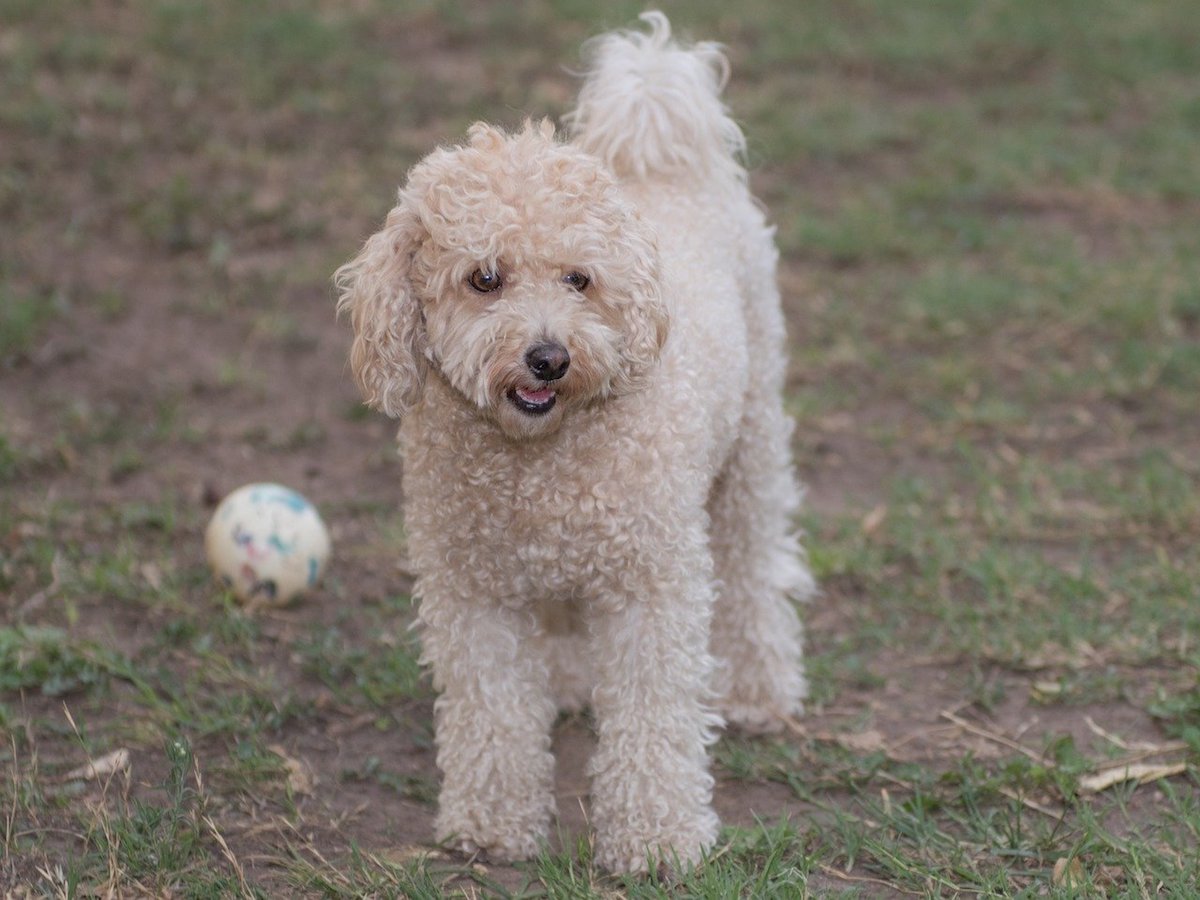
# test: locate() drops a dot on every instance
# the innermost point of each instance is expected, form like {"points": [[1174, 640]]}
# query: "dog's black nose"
{"points": [[548, 361]]}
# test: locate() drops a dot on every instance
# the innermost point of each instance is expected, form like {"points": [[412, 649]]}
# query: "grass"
{"points": [[22, 321], [990, 220], [993, 829]]}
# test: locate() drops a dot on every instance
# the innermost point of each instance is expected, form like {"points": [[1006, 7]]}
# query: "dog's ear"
{"points": [[645, 318], [387, 357]]}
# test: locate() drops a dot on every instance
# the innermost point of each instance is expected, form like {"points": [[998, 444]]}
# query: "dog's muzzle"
{"points": [[547, 362]]}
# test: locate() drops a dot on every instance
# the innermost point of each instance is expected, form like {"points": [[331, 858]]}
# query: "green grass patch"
{"points": [[23, 319], [971, 562], [1002, 828], [166, 846], [380, 673], [49, 661]]}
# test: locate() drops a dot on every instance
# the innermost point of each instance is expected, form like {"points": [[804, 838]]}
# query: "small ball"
{"points": [[266, 543]]}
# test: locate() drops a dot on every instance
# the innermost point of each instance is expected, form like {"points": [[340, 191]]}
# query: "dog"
{"points": [[583, 341]]}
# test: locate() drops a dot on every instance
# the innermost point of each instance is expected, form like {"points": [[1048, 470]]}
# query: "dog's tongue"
{"points": [[541, 395]]}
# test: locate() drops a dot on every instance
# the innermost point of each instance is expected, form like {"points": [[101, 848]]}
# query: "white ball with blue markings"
{"points": [[267, 544]]}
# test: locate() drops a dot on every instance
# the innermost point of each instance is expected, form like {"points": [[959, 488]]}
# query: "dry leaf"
{"points": [[402, 856], [300, 779], [872, 520], [1142, 773], [152, 575], [869, 741], [1008, 454], [1045, 691], [108, 764], [1068, 873]]}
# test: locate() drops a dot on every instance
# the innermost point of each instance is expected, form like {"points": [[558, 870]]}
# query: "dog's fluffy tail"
{"points": [[649, 106]]}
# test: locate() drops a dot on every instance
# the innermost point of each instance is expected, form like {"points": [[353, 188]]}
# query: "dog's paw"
{"points": [[627, 851], [497, 849], [755, 719], [495, 837], [767, 703]]}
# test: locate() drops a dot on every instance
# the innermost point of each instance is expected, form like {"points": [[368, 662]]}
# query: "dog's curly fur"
{"points": [[609, 523]]}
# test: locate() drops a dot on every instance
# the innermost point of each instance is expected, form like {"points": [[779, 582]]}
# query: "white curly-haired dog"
{"points": [[585, 345]]}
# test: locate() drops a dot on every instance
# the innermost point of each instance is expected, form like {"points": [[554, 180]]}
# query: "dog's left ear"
{"points": [[638, 301], [388, 353]]}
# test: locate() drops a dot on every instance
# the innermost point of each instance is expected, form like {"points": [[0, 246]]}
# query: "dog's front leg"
{"points": [[651, 787], [492, 726]]}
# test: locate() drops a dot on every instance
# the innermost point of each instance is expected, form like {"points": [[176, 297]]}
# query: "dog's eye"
{"points": [[577, 280], [484, 282]]}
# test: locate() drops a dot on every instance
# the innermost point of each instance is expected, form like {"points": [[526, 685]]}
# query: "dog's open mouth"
{"points": [[536, 402]]}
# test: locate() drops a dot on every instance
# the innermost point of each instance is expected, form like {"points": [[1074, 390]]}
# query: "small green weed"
{"points": [[166, 847], [416, 787], [50, 661], [23, 317], [380, 673]]}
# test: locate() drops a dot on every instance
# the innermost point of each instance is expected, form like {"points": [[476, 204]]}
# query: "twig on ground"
{"points": [[1052, 812], [1138, 751], [991, 736], [862, 879]]}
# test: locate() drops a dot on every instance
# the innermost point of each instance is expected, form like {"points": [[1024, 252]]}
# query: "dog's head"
{"points": [[513, 267]]}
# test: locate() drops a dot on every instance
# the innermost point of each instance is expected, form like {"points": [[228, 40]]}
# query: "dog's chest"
{"points": [[540, 513], [518, 528]]}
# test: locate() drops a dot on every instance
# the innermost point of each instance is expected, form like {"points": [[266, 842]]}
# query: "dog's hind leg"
{"points": [[760, 572], [563, 643]]}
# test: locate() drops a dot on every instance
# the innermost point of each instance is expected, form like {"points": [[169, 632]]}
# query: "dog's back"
{"points": [[651, 109]]}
